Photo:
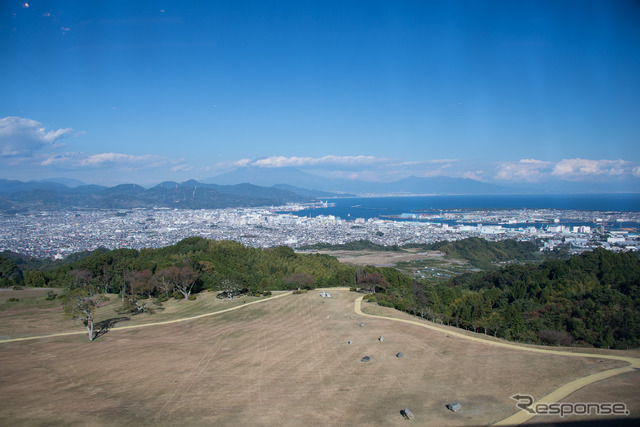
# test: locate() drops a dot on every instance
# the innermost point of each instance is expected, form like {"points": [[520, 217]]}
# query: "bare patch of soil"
{"points": [[383, 258]]}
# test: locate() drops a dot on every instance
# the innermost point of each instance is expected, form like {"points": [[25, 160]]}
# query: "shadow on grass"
{"points": [[104, 326]]}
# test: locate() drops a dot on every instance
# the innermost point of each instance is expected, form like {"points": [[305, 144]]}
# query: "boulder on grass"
{"points": [[406, 412], [455, 407]]}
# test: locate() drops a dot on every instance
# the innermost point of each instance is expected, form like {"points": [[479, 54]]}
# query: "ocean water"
{"points": [[378, 207]]}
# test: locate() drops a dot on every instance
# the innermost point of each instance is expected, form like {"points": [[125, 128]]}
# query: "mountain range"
{"points": [[420, 185], [253, 186], [21, 196], [410, 185]]}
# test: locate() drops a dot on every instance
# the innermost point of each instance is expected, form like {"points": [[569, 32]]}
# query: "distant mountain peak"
{"points": [[303, 180]]}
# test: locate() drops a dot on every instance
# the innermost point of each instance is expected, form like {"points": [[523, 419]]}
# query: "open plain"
{"points": [[381, 258], [276, 361]]}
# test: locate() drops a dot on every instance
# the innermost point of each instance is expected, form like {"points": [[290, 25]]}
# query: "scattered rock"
{"points": [[365, 359], [400, 354], [380, 339], [361, 324], [406, 412], [455, 407], [350, 341]]}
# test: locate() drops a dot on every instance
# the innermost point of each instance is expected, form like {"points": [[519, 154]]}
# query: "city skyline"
{"points": [[501, 92]]}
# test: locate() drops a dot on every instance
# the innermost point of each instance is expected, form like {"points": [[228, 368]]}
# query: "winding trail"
{"points": [[560, 393], [166, 322]]}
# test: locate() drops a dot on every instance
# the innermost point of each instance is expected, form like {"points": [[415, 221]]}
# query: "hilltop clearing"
{"points": [[283, 361]]}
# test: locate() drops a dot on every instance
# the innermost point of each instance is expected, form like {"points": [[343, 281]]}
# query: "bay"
{"points": [[379, 207]]}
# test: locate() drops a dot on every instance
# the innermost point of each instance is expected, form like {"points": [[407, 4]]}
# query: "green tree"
{"points": [[79, 304], [183, 279]]}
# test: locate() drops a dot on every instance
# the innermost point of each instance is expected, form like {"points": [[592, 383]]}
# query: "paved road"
{"points": [[523, 416]]}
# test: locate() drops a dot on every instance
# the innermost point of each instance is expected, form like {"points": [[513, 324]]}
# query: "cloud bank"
{"points": [[371, 168], [282, 161], [28, 149], [23, 137], [578, 169], [108, 160]]}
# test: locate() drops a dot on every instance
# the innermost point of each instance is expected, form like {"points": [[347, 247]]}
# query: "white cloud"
{"points": [[527, 170], [182, 168], [581, 168], [532, 170], [22, 137], [349, 167], [281, 161], [436, 161], [370, 168], [477, 175], [534, 162], [242, 162], [108, 160], [420, 163]]}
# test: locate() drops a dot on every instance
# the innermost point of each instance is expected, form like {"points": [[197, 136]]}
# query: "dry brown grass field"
{"points": [[284, 361], [384, 258]]}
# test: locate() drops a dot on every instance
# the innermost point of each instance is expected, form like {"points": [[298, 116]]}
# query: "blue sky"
{"points": [[501, 91]]}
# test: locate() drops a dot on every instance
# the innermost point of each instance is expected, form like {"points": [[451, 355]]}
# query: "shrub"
{"points": [[161, 299], [299, 279], [17, 288], [50, 296], [353, 290], [178, 295], [266, 293], [13, 299], [553, 337], [128, 306], [192, 297], [300, 291]]}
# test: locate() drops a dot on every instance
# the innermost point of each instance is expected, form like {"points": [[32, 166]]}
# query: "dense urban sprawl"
{"points": [[56, 234]]}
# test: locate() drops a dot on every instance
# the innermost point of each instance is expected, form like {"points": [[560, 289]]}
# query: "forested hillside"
{"points": [[485, 254], [217, 264], [589, 299]]}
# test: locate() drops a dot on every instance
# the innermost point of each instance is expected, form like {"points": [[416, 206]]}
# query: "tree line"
{"points": [[591, 299], [192, 265]]}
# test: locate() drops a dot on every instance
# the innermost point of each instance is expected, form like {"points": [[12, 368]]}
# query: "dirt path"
{"points": [[166, 322], [553, 397]]}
